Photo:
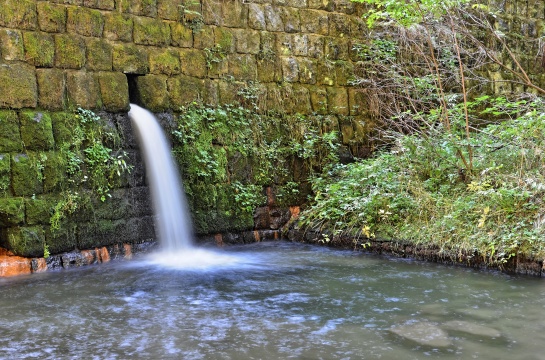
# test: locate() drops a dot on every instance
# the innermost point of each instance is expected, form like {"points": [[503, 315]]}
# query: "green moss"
{"points": [[182, 36], [26, 174], [115, 91], [36, 130], [194, 62], [118, 27], [18, 86], [166, 62], [39, 209], [39, 49], [11, 44], [51, 17], [63, 124], [149, 31], [152, 90], [25, 241], [5, 175], [85, 21], [64, 239], [12, 212], [51, 88], [99, 55], [184, 90], [18, 14], [54, 172], [10, 137], [130, 59], [223, 38], [69, 51]]}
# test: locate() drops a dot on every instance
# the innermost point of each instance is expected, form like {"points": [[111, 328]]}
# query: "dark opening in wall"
{"points": [[134, 94]]}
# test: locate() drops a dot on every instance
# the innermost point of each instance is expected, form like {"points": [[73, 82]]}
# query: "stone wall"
{"points": [[60, 55]]}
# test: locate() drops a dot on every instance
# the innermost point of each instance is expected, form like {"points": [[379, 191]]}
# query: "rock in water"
{"points": [[471, 328], [423, 333]]}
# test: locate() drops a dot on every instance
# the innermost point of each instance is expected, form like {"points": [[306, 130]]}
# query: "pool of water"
{"points": [[276, 300]]}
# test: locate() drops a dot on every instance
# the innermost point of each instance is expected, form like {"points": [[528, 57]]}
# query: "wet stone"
{"points": [[471, 328], [423, 333]]}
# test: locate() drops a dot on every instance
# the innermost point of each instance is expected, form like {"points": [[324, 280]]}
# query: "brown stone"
{"points": [[256, 17], [313, 21], [242, 66], [235, 13], [152, 90], [51, 88], [193, 63], [182, 36], [99, 55], [103, 254], [290, 69], [169, 9], [18, 14], [11, 265], [11, 44], [18, 87], [114, 89], [337, 101], [273, 18], [69, 51], [82, 90], [184, 90], [127, 249]]}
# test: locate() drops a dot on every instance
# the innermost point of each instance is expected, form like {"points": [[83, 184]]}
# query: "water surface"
{"points": [[276, 301]]}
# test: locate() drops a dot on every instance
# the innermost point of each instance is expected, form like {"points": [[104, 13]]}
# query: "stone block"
{"points": [[54, 174], [269, 70], [284, 44], [228, 91], [164, 62], [356, 101], [337, 100], [149, 31], [242, 66], [290, 69], [10, 136], [256, 17], [84, 21], [63, 124], [18, 14], [12, 211], [11, 44], [327, 5], [301, 100], [69, 51], [291, 20], [247, 41], [273, 18], [152, 92], [347, 131], [114, 89], [61, 240], [139, 7], [130, 59], [18, 86], [170, 9], [118, 27], [36, 130], [5, 175], [193, 63], [224, 39], [51, 17], [100, 4], [99, 55], [211, 95], [314, 21], [184, 90], [204, 38], [51, 88], [115, 208], [24, 241], [211, 12], [38, 209], [307, 71], [336, 48], [339, 25], [316, 46], [182, 36], [344, 72], [275, 100], [301, 44], [26, 176], [39, 49], [235, 13], [318, 99], [325, 73], [82, 90]]}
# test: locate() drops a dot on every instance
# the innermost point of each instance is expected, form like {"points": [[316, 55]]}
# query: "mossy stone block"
{"points": [[82, 90], [18, 86], [115, 208], [51, 17], [242, 66], [290, 69], [19, 14], [12, 212], [291, 19], [149, 31], [100, 4], [318, 99], [337, 101], [54, 172], [114, 89], [224, 39], [63, 125], [62, 240], [103, 232], [182, 36], [118, 27], [356, 101], [204, 38], [10, 135], [26, 175], [314, 21], [183, 90], [39, 49], [344, 72], [325, 74], [235, 13], [69, 51], [169, 9], [164, 62], [299, 100], [336, 48], [99, 55], [130, 59], [85, 21], [25, 241], [193, 62], [36, 130], [139, 7], [5, 175], [38, 210], [269, 70], [51, 88], [307, 71], [11, 44], [152, 92], [247, 41]]}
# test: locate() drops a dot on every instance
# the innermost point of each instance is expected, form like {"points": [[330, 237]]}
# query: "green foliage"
{"points": [[419, 190]]}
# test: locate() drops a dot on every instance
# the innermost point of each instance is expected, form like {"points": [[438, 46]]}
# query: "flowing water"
{"points": [[276, 300]]}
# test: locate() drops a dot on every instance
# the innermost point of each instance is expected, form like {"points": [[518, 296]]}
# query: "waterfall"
{"points": [[173, 224]]}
